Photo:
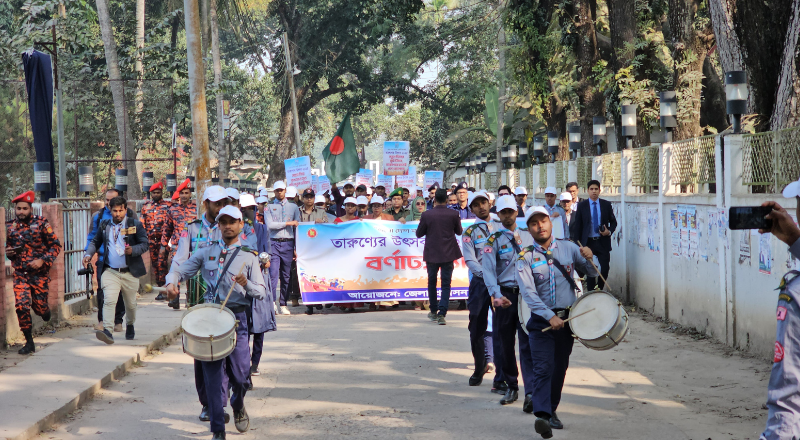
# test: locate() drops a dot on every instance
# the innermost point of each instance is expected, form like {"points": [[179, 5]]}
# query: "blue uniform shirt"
{"points": [[276, 214], [499, 255], [473, 240]]}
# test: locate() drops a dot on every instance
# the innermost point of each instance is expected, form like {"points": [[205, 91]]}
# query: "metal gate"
{"points": [[77, 220]]}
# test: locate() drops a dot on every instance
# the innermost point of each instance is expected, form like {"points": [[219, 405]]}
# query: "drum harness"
{"points": [[554, 261], [222, 255]]}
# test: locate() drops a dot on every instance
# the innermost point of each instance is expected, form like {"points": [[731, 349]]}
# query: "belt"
{"points": [[120, 270], [283, 240], [595, 238], [561, 312], [236, 308], [514, 290]]}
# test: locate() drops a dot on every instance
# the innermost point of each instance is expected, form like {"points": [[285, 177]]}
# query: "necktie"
{"points": [[595, 218]]}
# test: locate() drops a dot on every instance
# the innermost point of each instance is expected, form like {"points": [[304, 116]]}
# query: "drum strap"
{"points": [[230, 258], [563, 271]]}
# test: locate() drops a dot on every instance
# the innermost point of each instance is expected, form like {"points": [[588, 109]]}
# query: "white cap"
{"points": [[520, 190], [369, 190], [247, 200], [550, 190], [214, 193], [475, 195], [232, 193], [263, 192], [536, 210], [291, 192], [362, 200], [506, 202], [230, 211], [792, 190], [377, 199], [260, 188], [279, 185], [490, 195], [319, 199], [566, 196], [350, 200], [261, 199]]}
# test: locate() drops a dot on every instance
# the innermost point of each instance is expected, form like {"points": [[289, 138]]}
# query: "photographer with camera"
{"points": [[783, 396]]}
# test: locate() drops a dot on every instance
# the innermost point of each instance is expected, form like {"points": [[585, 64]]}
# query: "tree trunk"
{"points": [[728, 46], [622, 23], [712, 111], [587, 54], [284, 147], [689, 46], [139, 48], [501, 54], [222, 150], [197, 95], [787, 101], [127, 147], [205, 24]]}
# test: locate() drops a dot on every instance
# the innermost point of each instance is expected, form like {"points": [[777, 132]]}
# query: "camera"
{"points": [[89, 270]]}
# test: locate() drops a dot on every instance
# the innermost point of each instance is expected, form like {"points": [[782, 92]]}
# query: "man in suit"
{"points": [[593, 225], [572, 188], [439, 226]]}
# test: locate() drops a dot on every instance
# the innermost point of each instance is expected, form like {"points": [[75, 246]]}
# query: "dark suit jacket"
{"points": [[440, 226], [138, 243], [581, 223]]}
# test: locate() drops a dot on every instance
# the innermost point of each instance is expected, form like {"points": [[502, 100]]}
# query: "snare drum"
{"points": [[604, 327], [208, 334]]}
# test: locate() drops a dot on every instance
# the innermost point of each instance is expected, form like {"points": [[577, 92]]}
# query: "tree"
{"points": [[222, 149]]}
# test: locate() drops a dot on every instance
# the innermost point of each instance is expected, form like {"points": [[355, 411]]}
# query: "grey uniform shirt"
{"points": [[533, 276], [196, 235], [473, 241], [206, 261], [276, 214], [499, 255]]}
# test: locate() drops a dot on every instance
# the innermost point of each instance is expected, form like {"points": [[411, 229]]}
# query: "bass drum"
{"points": [[604, 327], [208, 333]]}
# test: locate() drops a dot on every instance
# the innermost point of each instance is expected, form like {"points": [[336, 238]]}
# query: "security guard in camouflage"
{"points": [[154, 215], [32, 248], [499, 274]]}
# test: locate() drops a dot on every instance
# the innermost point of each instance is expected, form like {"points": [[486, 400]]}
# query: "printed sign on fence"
{"points": [[395, 158], [432, 177], [298, 172], [367, 261]]}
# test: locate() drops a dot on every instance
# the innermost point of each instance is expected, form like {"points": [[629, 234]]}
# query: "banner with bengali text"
{"points": [[367, 261]]}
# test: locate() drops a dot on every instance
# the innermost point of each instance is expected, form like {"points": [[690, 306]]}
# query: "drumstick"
{"points": [[149, 288], [591, 260], [231, 289], [568, 319]]}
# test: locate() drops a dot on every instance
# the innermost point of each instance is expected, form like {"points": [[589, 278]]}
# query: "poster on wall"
{"points": [[765, 254], [744, 248], [674, 232], [683, 227], [653, 232], [702, 236]]}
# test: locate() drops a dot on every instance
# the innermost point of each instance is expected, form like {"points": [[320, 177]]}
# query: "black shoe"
{"points": [[309, 310], [527, 405], [105, 336], [28, 348], [499, 387], [204, 417], [318, 306], [511, 396], [129, 333], [476, 379], [241, 420], [175, 303], [249, 385], [555, 422], [328, 306], [218, 435], [161, 297], [46, 317], [542, 427], [226, 417]]}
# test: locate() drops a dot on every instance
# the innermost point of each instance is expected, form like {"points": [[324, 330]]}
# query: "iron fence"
{"points": [[771, 159]]}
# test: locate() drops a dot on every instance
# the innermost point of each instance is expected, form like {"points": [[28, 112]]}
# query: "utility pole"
{"points": [[197, 96], [52, 47], [290, 76]]}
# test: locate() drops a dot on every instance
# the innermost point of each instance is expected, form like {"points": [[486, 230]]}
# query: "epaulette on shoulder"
{"points": [[248, 250], [197, 220], [469, 230], [493, 237], [523, 229], [525, 251]]}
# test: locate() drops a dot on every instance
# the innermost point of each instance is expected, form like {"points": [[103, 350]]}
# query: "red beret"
{"points": [[157, 185], [29, 197], [181, 187]]}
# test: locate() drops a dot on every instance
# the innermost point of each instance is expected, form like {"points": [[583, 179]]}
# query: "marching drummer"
{"points": [[200, 233], [227, 266], [544, 273]]}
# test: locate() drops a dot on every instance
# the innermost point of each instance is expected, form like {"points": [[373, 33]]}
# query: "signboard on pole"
{"points": [[432, 177], [298, 172], [395, 158]]}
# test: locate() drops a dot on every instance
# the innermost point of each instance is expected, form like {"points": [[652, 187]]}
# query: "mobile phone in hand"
{"points": [[749, 217]]}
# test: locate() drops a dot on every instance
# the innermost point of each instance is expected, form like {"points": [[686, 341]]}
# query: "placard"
{"points": [[432, 177], [404, 181], [315, 183], [387, 182], [298, 172], [323, 184], [364, 177], [395, 158]]}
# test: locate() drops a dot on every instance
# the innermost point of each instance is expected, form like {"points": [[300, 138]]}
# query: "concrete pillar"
{"points": [[572, 171], [551, 174], [55, 298]]}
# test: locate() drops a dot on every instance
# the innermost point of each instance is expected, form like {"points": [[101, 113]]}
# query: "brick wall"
{"points": [[55, 298]]}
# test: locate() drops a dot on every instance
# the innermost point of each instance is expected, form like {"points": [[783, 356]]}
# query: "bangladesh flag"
{"points": [[341, 158]]}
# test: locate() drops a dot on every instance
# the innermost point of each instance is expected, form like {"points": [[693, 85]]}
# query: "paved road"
{"points": [[394, 375]]}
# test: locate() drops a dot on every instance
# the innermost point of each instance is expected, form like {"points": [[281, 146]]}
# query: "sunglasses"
{"points": [[420, 204]]}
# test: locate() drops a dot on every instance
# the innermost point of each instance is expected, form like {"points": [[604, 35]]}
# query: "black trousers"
{"points": [[119, 311], [478, 303], [506, 328], [604, 258], [550, 352]]}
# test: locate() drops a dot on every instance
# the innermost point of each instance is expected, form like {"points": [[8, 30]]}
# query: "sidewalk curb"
{"points": [[86, 395]]}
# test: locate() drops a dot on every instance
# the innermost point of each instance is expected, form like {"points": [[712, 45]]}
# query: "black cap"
{"points": [[462, 185], [308, 192], [361, 187], [434, 186]]}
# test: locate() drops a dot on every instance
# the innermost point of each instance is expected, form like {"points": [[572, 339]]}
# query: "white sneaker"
{"points": [[285, 311], [275, 306]]}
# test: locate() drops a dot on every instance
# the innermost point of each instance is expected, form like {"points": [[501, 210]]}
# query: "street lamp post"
{"points": [[736, 97], [629, 124], [538, 148], [668, 111], [121, 180], [523, 154], [599, 133], [575, 139], [147, 182], [41, 178], [172, 182], [85, 180], [552, 145]]}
